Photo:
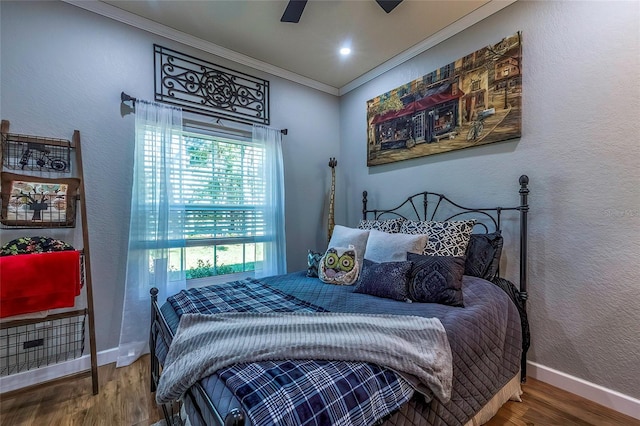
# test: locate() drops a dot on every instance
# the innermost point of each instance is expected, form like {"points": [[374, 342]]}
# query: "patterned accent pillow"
{"points": [[390, 226], [344, 237], [339, 265], [483, 255], [28, 245], [436, 279], [449, 238], [313, 260], [389, 279]]}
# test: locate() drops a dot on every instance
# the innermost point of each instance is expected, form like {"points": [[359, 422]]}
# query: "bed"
{"points": [[474, 361]]}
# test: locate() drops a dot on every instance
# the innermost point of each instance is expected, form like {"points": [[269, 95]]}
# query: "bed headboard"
{"points": [[435, 206]]}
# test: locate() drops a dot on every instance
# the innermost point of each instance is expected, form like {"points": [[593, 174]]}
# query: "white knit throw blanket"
{"points": [[415, 347]]}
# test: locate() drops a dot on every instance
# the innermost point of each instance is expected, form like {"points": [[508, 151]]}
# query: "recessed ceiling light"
{"points": [[345, 51]]}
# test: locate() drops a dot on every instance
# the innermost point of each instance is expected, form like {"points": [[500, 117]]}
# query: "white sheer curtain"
{"points": [[275, 257], [157, 211]]}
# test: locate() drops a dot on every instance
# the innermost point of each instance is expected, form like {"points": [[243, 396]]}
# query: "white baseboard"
{"points": [[609, 398], [52, 372]]}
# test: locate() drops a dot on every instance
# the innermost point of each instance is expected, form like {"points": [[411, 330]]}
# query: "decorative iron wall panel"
{"points": [[205, 88]]}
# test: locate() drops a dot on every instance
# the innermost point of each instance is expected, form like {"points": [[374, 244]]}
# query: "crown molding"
{"points": [[461, 24], [150, 26]]}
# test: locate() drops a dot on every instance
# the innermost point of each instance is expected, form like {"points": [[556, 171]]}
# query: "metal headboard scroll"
{"points": [[426, 206], [493, 215], [205, 88]]}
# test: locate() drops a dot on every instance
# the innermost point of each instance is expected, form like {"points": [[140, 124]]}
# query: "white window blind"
{"points": [[223, 189], [222, 192]]}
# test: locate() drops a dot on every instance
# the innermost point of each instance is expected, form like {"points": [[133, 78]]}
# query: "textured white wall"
{"points": [[63, 68], [581, 110]]}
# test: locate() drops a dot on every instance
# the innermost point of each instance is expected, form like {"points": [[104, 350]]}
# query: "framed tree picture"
{"points": [[34, 201], [472, 101]]}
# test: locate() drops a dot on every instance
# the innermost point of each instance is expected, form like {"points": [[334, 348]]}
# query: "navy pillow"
{"points": [[483, 255], [436, 279], [386, 279]]}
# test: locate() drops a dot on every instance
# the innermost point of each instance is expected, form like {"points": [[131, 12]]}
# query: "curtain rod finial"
{"points": [[126, 98]]}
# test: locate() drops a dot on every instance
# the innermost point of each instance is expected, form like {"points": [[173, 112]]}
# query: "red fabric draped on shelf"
{"points": [[39, 281]]}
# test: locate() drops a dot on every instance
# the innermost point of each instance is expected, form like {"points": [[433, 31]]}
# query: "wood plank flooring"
{"points": [[543, 404], [125, 400]]}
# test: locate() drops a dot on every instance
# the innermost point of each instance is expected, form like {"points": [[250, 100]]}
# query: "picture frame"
{"points": [[33, 201], [475, 100]]}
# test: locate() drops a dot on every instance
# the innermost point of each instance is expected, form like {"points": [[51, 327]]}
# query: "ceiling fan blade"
{"points": [[293, 12], [388, 5]]}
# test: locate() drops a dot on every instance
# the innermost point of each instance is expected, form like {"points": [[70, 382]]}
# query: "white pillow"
{"points": [[385, 247], [344, 237]]}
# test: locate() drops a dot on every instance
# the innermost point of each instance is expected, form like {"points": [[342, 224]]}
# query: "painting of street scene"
{"points": [[475, 100]]}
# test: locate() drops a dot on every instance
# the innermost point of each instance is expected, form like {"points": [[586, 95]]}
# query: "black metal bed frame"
{"points": [[160, 328], [494, 214], [430, 205]]}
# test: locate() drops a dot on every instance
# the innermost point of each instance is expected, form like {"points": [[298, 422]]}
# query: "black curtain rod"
{"points": [[126, 98]]}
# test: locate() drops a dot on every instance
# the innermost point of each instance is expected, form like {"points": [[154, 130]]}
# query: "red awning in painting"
{"points": [[390, 115], [427, 102], [433, 100]]}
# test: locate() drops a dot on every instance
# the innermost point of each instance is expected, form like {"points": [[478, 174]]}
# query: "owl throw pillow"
{"points": [[339, 265]]}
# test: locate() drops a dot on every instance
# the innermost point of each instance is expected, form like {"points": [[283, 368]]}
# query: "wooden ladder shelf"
{"points": [[54, 167]]}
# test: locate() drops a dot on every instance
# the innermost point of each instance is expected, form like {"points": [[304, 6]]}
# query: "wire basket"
{"points": [[29, 346], [36, 154]]}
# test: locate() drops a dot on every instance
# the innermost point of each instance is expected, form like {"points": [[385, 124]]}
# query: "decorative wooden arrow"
{"points": [[332, 163]]}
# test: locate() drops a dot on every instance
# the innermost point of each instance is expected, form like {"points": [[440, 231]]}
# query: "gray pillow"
{"points": [[344, 237], [387, 279], [385, 247], [436, 279]]}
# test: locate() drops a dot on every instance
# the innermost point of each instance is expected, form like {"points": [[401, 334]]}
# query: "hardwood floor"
{"points": [[125, 400], [543, 404]]}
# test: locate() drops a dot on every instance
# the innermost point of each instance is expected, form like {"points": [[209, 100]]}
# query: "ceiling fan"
{"points": [[294, 9]]}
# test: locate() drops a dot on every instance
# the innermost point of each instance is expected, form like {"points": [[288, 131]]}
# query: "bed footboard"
{"points": [[207, 413]]}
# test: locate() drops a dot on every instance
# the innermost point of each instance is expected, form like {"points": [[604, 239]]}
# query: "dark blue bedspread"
{"points": [[309, 392], [485, 339]]}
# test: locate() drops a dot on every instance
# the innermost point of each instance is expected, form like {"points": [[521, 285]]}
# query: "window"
{"points": [[220, 207], [430, 78], [446, 71]]}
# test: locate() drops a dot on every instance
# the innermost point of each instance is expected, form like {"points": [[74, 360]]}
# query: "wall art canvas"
{"points": [[38, 202], [475, 100]]}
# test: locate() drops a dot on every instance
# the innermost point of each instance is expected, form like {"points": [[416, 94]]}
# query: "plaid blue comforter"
{"points": [[248, 295], [312, 392]]}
